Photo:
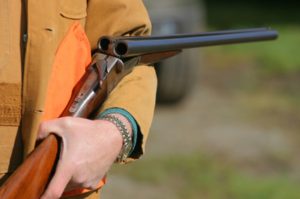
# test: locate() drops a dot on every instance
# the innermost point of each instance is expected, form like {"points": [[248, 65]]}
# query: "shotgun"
{"points": [[114, 59]]}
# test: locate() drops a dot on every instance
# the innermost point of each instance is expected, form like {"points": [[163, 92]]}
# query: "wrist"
{"points": [[113, 138], [125, 131]]}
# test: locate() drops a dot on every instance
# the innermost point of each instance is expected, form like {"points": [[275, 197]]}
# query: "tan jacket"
{"points": [[22, 89]]}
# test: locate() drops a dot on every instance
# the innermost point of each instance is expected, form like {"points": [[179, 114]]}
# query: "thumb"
{"points": [[59, 182]]}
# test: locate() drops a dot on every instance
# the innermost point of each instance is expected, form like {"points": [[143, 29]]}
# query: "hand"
{"points": [[89, 148]]}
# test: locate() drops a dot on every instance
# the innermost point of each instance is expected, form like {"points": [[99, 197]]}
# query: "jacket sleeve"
{"points": [[136, 92]]}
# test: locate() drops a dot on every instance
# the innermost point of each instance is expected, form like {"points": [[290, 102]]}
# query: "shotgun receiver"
{"points": [[114, 58]]}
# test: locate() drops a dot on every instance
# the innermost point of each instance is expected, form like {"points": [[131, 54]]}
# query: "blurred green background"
{"points": [[242, 139]]}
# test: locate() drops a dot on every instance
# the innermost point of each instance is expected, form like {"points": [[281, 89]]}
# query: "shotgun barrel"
{"points": [[134, 46], [110, 39]]}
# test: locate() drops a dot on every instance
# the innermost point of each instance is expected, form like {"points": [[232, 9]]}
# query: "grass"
{"points": [[197, 176]]}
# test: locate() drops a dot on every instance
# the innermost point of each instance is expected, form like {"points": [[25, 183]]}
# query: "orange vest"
{"points": [[72, 57]]}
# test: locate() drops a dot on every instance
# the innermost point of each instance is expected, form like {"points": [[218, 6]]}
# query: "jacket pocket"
{"points": [[73, 9]]}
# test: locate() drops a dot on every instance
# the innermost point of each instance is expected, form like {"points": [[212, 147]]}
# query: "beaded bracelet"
{"points": [[129, 117], [127, 141]]}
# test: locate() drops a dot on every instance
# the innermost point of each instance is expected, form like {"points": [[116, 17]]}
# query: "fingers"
{"points": [[59, 181]]}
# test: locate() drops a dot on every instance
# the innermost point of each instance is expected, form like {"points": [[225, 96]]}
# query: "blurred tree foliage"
{"points": [[237, 13]]}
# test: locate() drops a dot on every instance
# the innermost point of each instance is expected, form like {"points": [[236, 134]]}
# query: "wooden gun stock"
{"points": [[35, 171]]}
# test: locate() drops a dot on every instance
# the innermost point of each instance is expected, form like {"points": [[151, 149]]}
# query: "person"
{"points": [[32, 34]]}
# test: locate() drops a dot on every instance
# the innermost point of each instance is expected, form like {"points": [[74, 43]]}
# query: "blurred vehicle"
{"points": [[176, 75]]}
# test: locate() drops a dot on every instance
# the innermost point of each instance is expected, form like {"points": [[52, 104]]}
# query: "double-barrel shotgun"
{"points": [[114, 59]]}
